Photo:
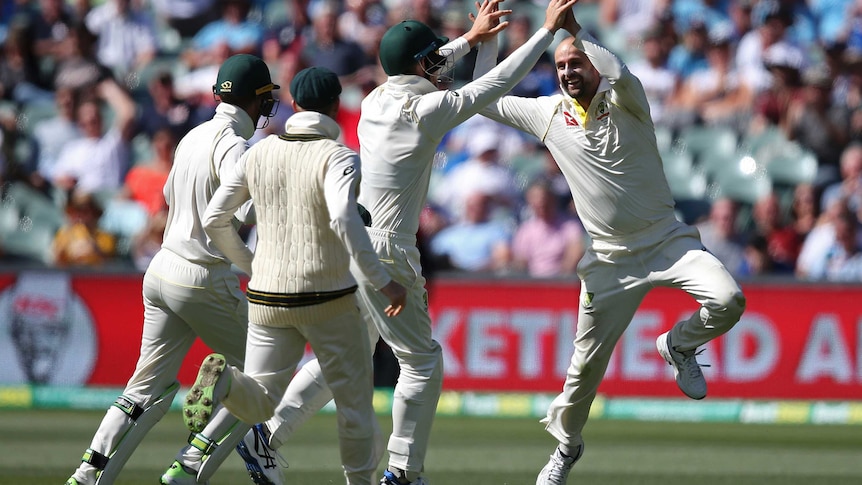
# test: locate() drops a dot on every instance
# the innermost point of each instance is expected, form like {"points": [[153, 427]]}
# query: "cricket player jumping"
{"points": [[189, 291], [403, 121], [600, 133]]}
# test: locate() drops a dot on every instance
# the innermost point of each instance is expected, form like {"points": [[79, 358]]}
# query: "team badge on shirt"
{"points": [[602, 110], [587, 301]]}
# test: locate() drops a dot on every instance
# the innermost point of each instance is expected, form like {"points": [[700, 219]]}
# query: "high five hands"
{"points": [[558, 14], [486, 22]]}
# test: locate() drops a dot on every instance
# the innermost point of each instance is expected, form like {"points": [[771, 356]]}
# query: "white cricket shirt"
{"points": [[403, 122], [607, 151], [203, 158]]}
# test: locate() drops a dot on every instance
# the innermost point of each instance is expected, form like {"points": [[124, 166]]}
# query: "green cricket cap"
{"points": [[243, 75], [315, 88], [405, 44]]}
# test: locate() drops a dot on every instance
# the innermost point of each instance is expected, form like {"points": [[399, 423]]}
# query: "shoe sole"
{"points": [[664, 351], [199, 402]]}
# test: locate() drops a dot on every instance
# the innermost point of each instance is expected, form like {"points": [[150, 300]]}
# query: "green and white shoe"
{"points": [[200, 401], [72, 481], [179, 474]]}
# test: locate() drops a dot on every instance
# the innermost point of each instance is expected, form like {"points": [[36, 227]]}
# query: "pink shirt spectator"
{"points": [[546, 247]]}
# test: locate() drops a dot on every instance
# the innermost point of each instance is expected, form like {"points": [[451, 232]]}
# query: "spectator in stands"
{"points": [[689, 55], [819, 239], [542, 79], [708, 12], [364, 22], [80, 9], [853, 96], [548, 243], [785, 64], [186, 17], [660, 83], [476, 243], [145, 181], [326, 48], [52, 134], [741, 22], [804, 210], [432, 220], [80, 242], [631, 17], [557, 183], [51, 24], [849, 187], [126, 36], [425, 11], [459, 143], [21, 79], [232, 33], [815, 122], [164, 108], [771, 22], [721, 237], [804, 31], [841, 259], [781, 242], [716, 95], [99, 160], [148, 241], [77, 66], [483, 172], [285, 35]]}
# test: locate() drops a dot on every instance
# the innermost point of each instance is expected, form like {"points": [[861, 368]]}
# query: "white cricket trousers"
{"points": [[409, 336], [342, 349], [182, 301], [615, 277]]}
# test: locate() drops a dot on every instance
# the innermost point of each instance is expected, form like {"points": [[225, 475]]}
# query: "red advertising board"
{"points": [[793, 342]]}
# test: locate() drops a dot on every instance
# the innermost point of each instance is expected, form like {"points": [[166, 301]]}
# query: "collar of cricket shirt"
{"points": [[238, 117], [412, 83], [312, 123]]}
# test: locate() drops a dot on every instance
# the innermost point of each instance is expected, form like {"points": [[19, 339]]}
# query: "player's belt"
{"points": [[291, 300]]}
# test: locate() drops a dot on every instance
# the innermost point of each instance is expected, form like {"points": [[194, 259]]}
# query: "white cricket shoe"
{"points": [[556, 471], [687, 371], [260, 459]]}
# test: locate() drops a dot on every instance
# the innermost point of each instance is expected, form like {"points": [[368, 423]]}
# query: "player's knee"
{"points": [[730, 307], [736, 305], [423, 368]]}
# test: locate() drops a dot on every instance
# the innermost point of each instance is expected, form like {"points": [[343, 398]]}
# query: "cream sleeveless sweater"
{"points": [[297, 257]]}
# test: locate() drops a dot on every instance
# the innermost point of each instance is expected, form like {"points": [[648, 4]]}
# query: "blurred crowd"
{"points": [[757, 106]]}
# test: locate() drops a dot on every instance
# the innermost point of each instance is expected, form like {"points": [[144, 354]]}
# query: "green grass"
{"points": [[43, 447]]}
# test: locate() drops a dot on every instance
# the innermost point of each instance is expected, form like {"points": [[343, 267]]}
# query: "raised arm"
{"points": [[486, 26], [122, 104], [450, 108]]}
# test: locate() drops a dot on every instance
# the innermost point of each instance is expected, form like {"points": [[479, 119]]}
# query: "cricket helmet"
{"points": [[406, 43]]}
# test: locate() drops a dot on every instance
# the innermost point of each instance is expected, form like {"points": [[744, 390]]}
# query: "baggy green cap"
{"points": [[406, 43], [315, 88], [243, 75]]}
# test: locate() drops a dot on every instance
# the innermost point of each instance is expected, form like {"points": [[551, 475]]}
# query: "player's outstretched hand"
{"points": [[486, 22], [555, 15], [397, 298], [570, 23]]}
